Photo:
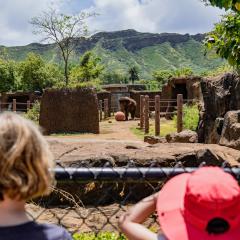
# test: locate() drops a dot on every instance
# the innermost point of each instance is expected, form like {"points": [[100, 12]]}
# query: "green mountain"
{"points": [[122, 49]]}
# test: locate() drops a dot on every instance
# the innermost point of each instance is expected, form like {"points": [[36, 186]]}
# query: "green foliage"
{"points": [[190, 117], [218, 71], [133, 74], [226, 4], [7, 75], [33, 113], [35, 74], [183, 72], [162, 76], [92, 84], [115, 77], [225, 39], [99, 236], [89, 69], [148, 59]]}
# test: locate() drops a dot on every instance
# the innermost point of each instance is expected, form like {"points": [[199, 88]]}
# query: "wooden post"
{"points": [[179, 113], [157, 115], [100, 110], [28, 105], [141, 112], [105, 108], [146, 120], [14, 105]]}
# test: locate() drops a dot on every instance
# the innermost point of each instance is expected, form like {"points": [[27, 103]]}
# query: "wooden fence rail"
{"points": [[15, 106], [157, 104]]}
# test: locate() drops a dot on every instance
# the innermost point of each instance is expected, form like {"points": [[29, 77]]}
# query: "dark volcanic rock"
{"points": [[230, 136], [220, 96]]}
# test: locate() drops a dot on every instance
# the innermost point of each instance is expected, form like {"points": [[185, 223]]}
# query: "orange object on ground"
{"points": [[119, 116]]}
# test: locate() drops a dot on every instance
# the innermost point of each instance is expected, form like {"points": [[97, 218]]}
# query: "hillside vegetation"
{"points": [[122, 49]]}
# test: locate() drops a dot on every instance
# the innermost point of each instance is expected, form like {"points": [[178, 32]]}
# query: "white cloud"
{"points": [[182, 16], [15, 16]]}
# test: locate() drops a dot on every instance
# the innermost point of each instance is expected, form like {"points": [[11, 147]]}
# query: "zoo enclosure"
{"points": [[104, 193], [16, 106], [161, 108]]}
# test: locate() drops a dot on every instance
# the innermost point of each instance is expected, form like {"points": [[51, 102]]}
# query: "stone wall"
{"points": [[69, 111]]}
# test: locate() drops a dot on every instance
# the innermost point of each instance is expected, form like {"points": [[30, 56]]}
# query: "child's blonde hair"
{"points": [[25, 159]]}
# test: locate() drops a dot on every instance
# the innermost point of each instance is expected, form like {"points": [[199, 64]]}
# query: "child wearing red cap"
{"points": [[203, 205]]}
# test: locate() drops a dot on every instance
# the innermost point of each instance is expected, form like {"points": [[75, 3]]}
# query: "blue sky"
{"points": [[181, 16]]}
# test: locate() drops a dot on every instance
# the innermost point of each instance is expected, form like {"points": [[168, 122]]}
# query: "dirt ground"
{"points": [[109, 130]]}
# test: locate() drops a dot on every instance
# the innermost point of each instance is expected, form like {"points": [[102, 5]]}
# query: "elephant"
{"points": [[128, 105]]}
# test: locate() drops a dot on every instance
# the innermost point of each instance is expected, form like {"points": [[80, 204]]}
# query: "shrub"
{"points": [[34, 112], [190, 117]]}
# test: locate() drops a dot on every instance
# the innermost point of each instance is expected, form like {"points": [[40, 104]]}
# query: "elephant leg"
{"points": [[133, 114], [126, 115]]}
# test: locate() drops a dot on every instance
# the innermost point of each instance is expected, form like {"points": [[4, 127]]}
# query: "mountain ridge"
{"points": [[121, 49]]}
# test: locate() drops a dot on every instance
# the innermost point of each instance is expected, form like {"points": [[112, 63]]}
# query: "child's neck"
{"points": [[12, 212]]}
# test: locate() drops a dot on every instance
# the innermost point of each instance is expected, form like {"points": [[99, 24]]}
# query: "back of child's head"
{"points": [[25, 159]]}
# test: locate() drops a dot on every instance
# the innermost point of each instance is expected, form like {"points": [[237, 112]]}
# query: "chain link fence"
{"points": [[91, 199]]}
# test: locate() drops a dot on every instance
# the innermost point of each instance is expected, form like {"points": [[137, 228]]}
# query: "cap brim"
{"points": [[169, 207]]}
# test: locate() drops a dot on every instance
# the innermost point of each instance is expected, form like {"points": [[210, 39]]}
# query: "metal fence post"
{"points": [[14, 105], [141, 112], [157, 115], [105, 108], [100, 110], [146, 119], [179, 113]]}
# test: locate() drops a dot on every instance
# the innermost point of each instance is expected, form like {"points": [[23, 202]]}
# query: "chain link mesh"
{"points": [[91, 199]]}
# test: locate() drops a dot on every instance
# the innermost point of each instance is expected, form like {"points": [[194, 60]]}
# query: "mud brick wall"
{"points": [[69, 111], [136, 96], [105, 95]]}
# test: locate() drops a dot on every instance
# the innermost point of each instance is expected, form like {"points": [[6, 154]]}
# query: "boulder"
{"points": [[220, 95], [154, 140], [186, 136], [230, 135]]}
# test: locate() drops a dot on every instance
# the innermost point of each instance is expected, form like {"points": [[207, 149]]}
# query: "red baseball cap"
{"points": [[202, 205]]}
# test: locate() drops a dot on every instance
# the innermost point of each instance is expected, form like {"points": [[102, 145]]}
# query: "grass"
{"points": [[166, 127], [190, 118], [99, 236]]}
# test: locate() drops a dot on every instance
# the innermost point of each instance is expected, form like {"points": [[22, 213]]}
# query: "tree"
{"points": [[114, 77], [133, 74], [226, 4], [35, 74], [162, 76], [225, 39], [89, 68], [7, 75], [63, 30]]}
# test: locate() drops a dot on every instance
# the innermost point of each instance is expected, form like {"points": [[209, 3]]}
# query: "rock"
{"points": [[89, 153], [220, 95], [230, 135], [186, 136], [154, 140]]}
